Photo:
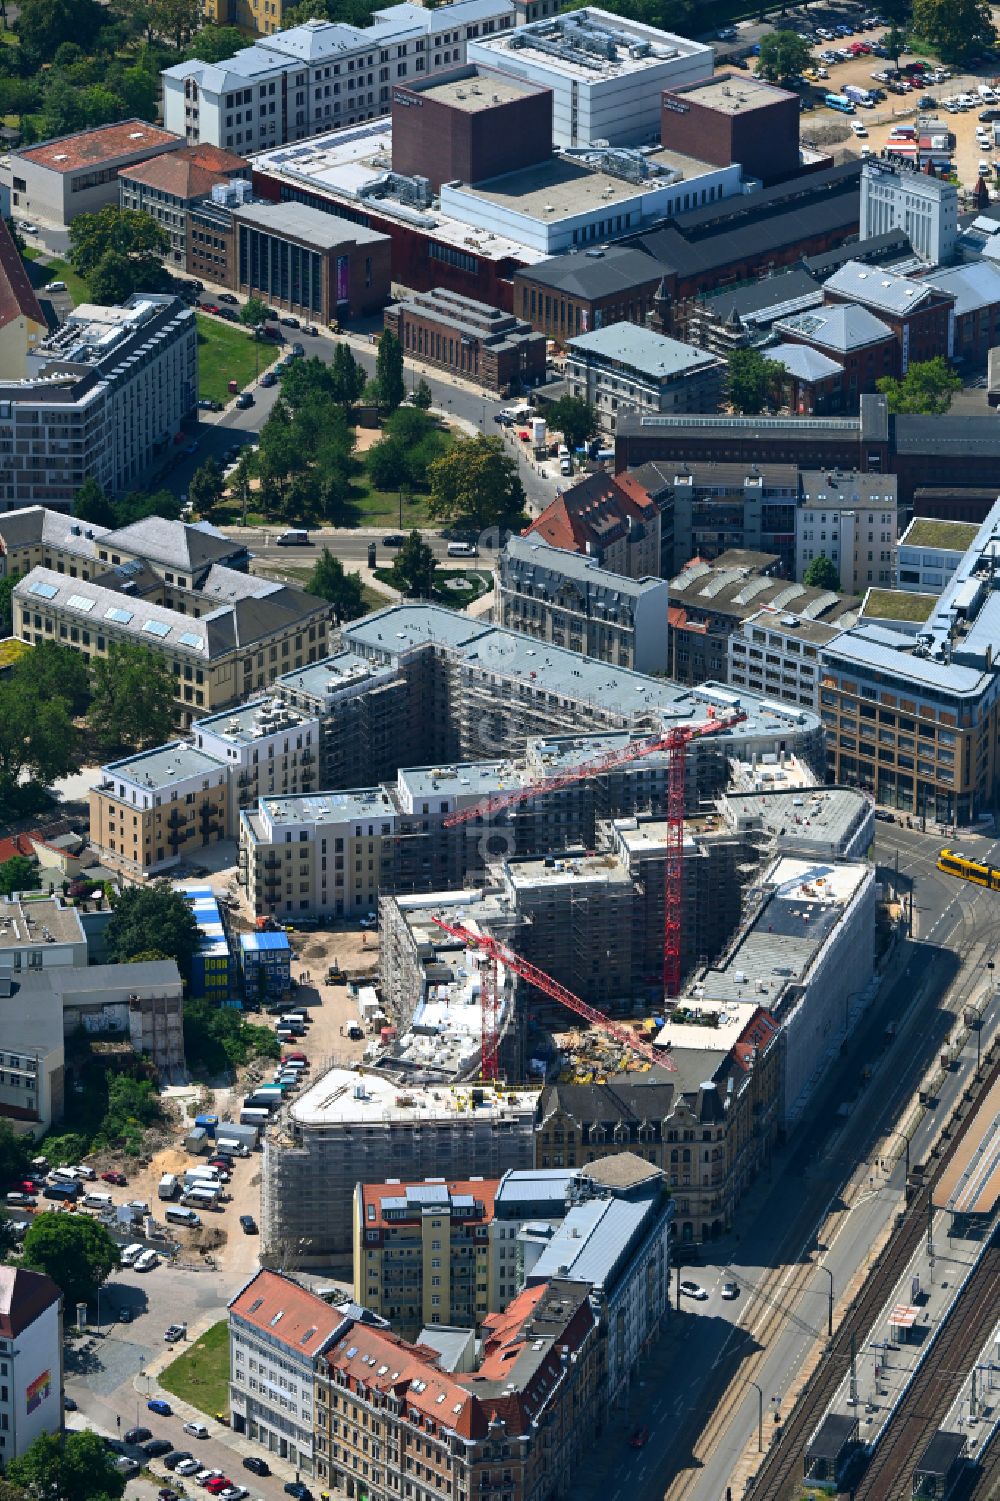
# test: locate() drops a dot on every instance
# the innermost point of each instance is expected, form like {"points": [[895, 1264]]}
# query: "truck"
{"points": [[167, 1186], [63, 1192], [859, 96]]}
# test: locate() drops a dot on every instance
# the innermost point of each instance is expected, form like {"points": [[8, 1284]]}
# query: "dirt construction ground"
{"points": [[902, 109]]}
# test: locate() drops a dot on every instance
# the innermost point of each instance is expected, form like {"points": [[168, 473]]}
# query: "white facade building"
{"points": [[925, 208], [624, 366], [929, 552], [104, 397], [321, 75], [777, 654], [31, 1394], [849, 518], [607, 75]]}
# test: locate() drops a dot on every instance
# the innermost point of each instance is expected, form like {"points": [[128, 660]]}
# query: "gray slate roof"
{"points": [[973, 286], [617, 268], [875, 286], [843, 327], [804, 363], [174, 543], [651, 354]]}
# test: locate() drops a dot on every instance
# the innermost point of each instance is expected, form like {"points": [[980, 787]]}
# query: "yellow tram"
{"points": [[953, 863]]}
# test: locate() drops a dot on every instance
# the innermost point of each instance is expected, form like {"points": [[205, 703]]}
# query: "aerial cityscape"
{"points": [[499, 750]]}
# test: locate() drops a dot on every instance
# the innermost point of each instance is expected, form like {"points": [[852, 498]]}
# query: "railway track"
{"points": [[781, 1471], [933, 1389], [985, 1481]]}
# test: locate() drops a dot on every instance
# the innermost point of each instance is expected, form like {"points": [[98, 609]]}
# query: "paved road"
{"points": [[779, 1220]]}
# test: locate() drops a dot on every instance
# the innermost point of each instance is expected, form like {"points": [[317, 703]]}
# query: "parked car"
{"points": [[244, 400], [174, 1332], [394, 539], [69, 1405], [311, 330], [187, 1467], [206, 404], [157, 1447], [118, 1179], [298, 1490], [20, 1200], [125, 1315], [176, 1457], [298, 351], [730, 1290], [191, 448], [256, 1466], [138, 1435], [248, 1224], [217, 1484], [55, 286], [229, 297], [233, 1492], [196, 1430], [290, 322], [269, 378], [157, 1405]]}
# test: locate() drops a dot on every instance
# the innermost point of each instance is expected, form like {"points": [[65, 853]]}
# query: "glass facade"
{"points": [[281, 270]]}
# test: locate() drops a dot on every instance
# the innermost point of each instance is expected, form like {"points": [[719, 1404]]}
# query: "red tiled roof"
{"points": [[15, 844], [90, 148], [17, 296], [482, 1190], [376, 1360], [595, 511], [758, 1034], [23, 1296], [284, 1311], [191, 172]]}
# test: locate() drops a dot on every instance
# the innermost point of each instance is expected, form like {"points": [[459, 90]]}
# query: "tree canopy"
{"points": [[19, 873], [152, 917], [37, 736], [821, 573], [413, 568], [75, 1467], [343, 590], [133, 699], [15, 1153], [55, 671], [217, 1038], [476, 484], [783, 54], [43, 25], [119, 251], [389, 382], [206, 488], [91, 504], [751, 377], [927, 388], [957, 29], [574, 418], [76, 1252]]}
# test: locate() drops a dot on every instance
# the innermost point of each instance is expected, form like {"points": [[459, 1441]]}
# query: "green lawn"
{"points": [[226, 352], [374, 598], [899, 604], [371, 507], [60, 270], [201, 1375]]}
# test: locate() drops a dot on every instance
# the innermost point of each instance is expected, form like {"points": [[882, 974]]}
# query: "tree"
{"points": [[956, 28], [783, 54], [253, 311], [279, 454], [418, 437], [389, 372], [43, 25], [423, 396], [206, 488], [152, 917], [217, 1038], [138, 92], [122, 230], [241, 478], [386, 464], [77, 1467], [19, 873], [821, 573], [112, 280], [575, 419], [19, 96], [177, 19], [927, 388], [133, 700], [894, 43], [413, 568], [477, 484], [214, 44], [133, 1105], [347, 377], [53, 671], [37, 737], [342, 590], [15, 1153], [8, 1245], [77, 1253], [7, 603], [751, 377], [91, 504]]}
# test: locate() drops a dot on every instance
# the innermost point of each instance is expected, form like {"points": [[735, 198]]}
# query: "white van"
{"points": [[131, 1254], [147, 1261], [293, 1019], [176, 1215], [292, 538], [64, 1175], [98, 1201], [463, 550], [167, 1186], [202, 1198], [231, 1148]]}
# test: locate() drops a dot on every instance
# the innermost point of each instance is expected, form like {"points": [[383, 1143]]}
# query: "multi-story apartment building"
{"points": [[778, 654], [167, 586], [104, 396], [611, 519], [561, 598], [392, 1422], [708, 508], [32, 1080], [268, 748], [637, 369], [849, 518], [321, 75], [278, 1333], [422, 1251], [347, 1128], [165, 187], [31, 1338]]}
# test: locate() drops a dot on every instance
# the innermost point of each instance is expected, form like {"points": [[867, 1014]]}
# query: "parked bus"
{"points": [[839, 102]]}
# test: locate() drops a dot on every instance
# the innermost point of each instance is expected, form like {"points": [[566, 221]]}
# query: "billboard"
{"points": [[38, 1391], [343, 278]]}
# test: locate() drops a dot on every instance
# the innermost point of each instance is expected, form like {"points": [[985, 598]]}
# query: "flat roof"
{"points": [[327, 807], [166, 764], [477, 92], [831, 813], [643, 349], [561, 187], [734, 94], [365, 1097], [250, 722], [575, 867], [89, 148], [301, 222], [798, 628], [898, 604], [866, 647], [593, 1241], [947, 536], [26, 921], [614, 56], [714, 1027]]}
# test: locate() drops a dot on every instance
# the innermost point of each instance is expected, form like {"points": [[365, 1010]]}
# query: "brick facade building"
{"points": [[469, 338], [468, 126], [735, 118]]}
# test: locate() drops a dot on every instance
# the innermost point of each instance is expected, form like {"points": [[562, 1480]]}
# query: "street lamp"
{"points": [[829, 1305], [906, 1143], [760, 1416], [142, 1362]]}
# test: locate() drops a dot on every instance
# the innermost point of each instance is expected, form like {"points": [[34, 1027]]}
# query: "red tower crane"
{"points": [[499, 953]]}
